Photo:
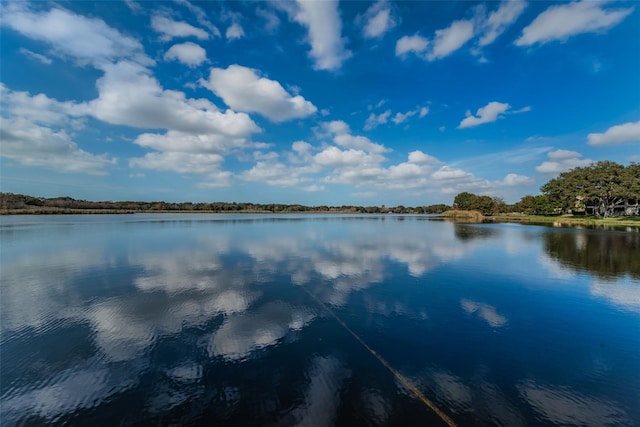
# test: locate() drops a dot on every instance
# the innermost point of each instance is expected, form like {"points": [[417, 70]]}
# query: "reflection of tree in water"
{"points": [[607, 255], [470, 232]]}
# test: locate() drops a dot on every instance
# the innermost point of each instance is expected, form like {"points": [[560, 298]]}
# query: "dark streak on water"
{"points": [[202, 320]]}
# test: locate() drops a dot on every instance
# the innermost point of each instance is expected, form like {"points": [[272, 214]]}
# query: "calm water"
{"points": [[221, 320]]}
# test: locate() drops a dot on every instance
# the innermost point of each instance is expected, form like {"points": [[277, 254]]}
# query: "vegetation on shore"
{"points": [[22, 204], [600, 190], [603, 193]]}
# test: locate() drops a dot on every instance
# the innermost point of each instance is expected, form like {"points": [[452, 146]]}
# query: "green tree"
{"points": [[603, 184], [464, 201]]}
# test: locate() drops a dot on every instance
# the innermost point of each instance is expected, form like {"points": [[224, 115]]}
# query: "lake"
{"points": [[235, 320]]}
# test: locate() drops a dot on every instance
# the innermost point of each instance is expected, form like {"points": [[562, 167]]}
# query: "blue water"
{"points": [[236, 320]]}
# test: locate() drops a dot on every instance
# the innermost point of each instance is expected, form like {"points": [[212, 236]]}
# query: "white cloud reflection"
{"points": [[486, 312], [563, 406], [242, 334]]}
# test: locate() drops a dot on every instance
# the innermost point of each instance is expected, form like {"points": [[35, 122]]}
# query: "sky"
{"points": [[313, 102]]}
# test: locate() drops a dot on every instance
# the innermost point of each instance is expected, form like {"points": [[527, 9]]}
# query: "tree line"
{"points": [[20, 203], [602, 189]]}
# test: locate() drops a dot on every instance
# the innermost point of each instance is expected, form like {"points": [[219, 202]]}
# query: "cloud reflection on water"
{"points": [[237, 297], [563, 406]]}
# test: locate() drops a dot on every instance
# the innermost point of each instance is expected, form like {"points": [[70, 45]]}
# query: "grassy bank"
{"points": [[566, 220], [463, 216]]}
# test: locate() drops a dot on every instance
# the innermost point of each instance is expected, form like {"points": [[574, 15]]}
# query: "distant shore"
{"points": [[454, 215]]}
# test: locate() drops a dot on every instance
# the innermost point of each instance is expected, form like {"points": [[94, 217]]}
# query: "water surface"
{"points": [[222, 320]]}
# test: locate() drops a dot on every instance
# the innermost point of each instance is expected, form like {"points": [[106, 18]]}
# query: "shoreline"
{"points": [[508, 218]]}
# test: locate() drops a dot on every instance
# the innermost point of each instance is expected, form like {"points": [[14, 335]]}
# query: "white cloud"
{"points": [[420, 158], [234, 32], [130, 95], [562, 161], [343, 137], [34, 132], [487, 114], [563, 21], [403, 117], [333, 156], [33, 145], [374, 120], [499, 20], [192, 143], [377, 20], [169, 29], [627, 132], [134, 6], [450, 39], [36, 56], [448, 173], [406, 44], [272, 22], [278, 174], [563, 154], [87, 40], [197, 163], [201, 16], [423, 111], [322, 20], [188, 53], [243, 89], [515, 180]]}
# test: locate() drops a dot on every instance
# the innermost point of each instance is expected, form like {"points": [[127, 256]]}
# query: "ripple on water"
{"points": [[563, 406]]}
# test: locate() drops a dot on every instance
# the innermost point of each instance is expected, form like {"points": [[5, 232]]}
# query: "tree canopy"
{"points": [[602, 189]]}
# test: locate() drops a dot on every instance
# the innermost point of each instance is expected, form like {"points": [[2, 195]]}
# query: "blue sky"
{"points": [[319, 102]]}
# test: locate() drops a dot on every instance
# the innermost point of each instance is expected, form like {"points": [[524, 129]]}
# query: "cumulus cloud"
{"points": [[515, 180], [411, 44], [449, 173], [487, 114], [342, 136], [627, 132], [130, 95], [423, 112], [33, 145], [244, 89], [563, 154], [279, 175], [86, 40], [499, 20], [34, 131], [418, 157], [450, 39], [188, 53], [377, 20], [324, 26], [562, 161], [333, 156], [170, 29], [234, 32], [563, 21]]}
